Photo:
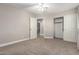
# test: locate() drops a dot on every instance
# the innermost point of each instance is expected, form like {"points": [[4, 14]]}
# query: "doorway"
{"points": [[39, 28], [58, 27]]}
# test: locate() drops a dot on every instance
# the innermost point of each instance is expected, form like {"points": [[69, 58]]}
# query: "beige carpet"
{"points": [[41, 47]]}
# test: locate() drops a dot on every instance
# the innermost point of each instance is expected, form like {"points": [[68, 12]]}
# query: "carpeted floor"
{"points": [[41, 46]]}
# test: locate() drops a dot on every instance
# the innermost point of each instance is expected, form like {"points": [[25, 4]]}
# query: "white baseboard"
{"points": [[70, 41], [13, 42], [49, 37]]}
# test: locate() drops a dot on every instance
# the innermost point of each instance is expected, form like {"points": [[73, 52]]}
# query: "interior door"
{"points": [[58, 28], [33, 28]]}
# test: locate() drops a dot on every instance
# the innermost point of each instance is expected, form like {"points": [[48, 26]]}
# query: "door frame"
{"points": [[62, 26], [41, 20]]}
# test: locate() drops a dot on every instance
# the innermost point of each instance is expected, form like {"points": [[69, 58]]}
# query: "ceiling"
{"points": [[52, 7]]}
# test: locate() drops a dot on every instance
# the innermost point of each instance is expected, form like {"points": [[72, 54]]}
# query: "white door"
{"points": [[58, 29], [33, 28]]}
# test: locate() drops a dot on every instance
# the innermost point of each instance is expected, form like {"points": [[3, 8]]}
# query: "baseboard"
{"points": [[49, 37], [33, 38], [13, 42], [70, 41]]}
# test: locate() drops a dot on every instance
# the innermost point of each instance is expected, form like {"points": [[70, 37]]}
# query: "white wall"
{"points": [[70, 27], [48, 27], [14, 24]]}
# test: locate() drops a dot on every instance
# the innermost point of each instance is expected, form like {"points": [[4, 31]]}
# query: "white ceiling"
{"points": [[52, 9]]}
